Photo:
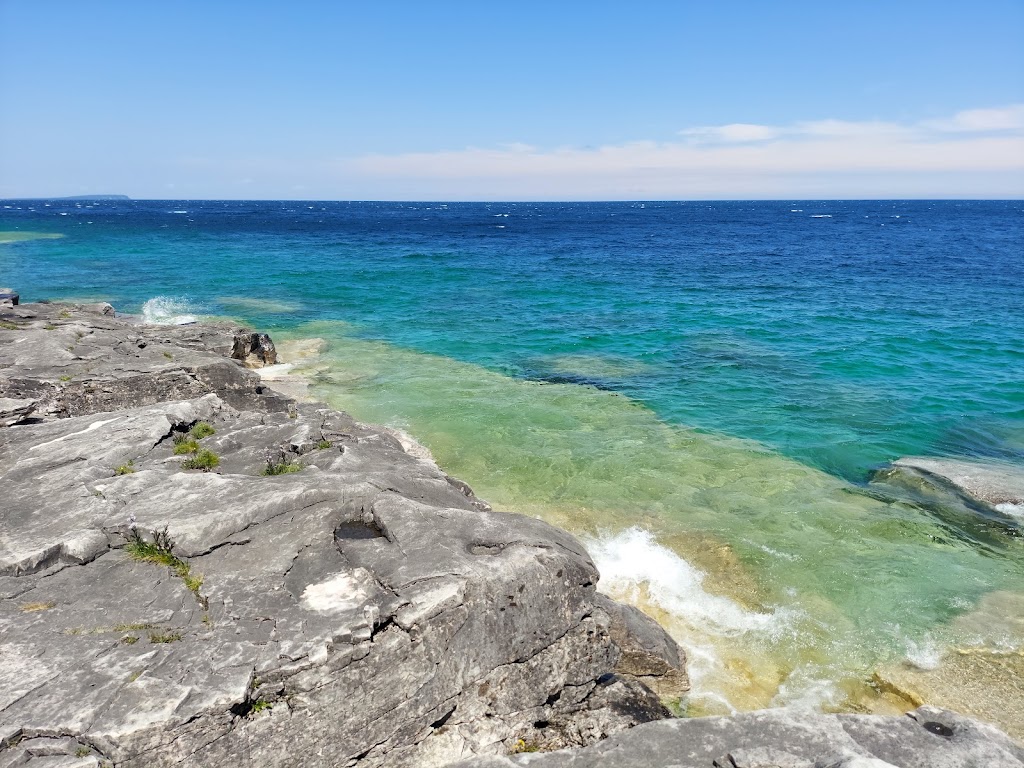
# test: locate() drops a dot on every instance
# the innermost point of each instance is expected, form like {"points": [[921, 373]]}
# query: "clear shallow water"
{"points": [[701, 389]]}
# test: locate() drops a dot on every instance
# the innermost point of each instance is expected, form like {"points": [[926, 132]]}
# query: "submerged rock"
{"points": [[320, 597], [997, 485]]}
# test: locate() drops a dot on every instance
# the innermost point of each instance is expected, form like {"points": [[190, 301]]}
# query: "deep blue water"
{"points": [[891, 328]]}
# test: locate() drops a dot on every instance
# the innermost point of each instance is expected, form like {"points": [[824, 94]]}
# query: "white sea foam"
{"points": [[1016, 510], [632, 559], [274, 372], [636, 569], [924, 655], [168, 310], [808, 688]]}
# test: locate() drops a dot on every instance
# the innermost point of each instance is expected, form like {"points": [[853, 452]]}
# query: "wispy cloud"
{"points": [[973, 152]]}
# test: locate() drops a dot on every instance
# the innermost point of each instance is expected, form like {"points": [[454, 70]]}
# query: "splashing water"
{"points": [[168, 310]]}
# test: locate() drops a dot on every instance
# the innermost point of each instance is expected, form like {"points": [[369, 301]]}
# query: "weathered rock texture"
{"points": [[926, 738], [1000, 486], [366, 610]]}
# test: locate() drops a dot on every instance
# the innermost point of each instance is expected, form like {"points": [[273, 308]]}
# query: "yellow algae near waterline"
{"points": [[254, 304], [20, 237]]}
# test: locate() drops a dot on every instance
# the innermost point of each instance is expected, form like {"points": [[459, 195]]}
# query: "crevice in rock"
{"points": [[439, 723]]}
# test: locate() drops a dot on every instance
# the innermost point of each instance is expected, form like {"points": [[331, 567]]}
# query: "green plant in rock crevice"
{"points": [[187, 444], [159, 551], [184, 445], [202, 459], [279, 465]]}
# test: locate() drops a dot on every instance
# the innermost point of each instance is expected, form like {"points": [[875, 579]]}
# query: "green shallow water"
{"points": [[785, 584]]}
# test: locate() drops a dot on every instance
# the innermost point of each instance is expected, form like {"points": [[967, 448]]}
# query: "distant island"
{"points": [[94, 197]]}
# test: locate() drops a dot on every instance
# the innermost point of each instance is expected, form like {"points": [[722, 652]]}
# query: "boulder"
{"points": [[9, 297], [649, 654], [254, 350], [995, 484]]}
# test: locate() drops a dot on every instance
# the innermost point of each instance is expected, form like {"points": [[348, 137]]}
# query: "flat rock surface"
{"points": [[364, 609], [999, 485], [926, 738]]}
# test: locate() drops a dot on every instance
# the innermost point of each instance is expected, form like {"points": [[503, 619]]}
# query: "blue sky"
{"points": [[525, 100]]}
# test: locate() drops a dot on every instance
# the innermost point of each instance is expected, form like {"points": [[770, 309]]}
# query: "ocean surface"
{"points": [[703, 391]]}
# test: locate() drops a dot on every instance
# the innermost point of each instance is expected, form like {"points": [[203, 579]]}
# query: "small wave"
{"points": [[821, 215], [168, 310], [924, 655], [633, 558]]}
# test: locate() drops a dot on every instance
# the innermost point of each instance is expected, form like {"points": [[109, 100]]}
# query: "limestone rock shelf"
{"points": [[364, 610]]}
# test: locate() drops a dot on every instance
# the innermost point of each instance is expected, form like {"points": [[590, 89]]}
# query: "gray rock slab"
{"points": [[926, 738], [80, 359], [14, 410]]}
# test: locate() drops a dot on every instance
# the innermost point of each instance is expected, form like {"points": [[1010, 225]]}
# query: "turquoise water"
{"points": [[702, 390]]}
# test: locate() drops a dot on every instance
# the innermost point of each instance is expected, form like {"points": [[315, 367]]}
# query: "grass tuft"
{"points": [[522, 747], [169, 637], [260, 706], [125, 469], [201, 430], [185, 445], [281, 466], [8, 326], [323, 444], [159, 552], [34, 607], [204, 460]]}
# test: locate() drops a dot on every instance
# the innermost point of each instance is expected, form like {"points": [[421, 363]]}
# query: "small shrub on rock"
{"points": [[202, 459], [282, 465]]}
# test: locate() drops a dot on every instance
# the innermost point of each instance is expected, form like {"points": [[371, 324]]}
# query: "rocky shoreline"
{"points": [[197, 570]]}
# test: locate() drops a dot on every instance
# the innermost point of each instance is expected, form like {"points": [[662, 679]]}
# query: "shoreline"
{"points": [[718, 616], [192, 333]]}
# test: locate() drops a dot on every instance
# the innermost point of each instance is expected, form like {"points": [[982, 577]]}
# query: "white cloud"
{"points": [[967, 151], [1009, 118], [733, 133]]}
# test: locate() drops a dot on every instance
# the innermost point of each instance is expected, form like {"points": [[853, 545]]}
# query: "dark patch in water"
{"points": [[568, 378]]}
